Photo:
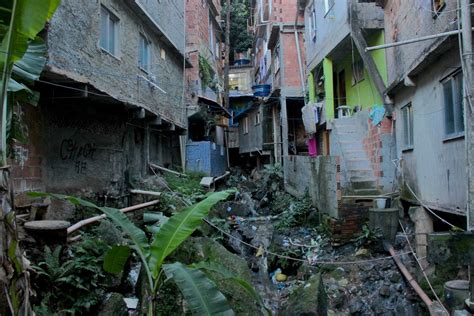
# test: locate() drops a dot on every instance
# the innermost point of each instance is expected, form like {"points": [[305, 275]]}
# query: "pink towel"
{"points": [[312, 148]]}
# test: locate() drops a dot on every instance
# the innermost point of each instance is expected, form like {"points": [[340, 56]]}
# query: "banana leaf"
{"points": [[200, 293], [179, 227], [115, 259]]}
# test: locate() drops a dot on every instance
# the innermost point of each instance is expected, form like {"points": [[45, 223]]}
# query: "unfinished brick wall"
{"points": [[26, 159], [379, 146], [349, 225]]}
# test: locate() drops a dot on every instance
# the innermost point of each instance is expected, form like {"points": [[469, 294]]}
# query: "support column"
{"points": [[284, 125], [276, 135], [328, 88]]}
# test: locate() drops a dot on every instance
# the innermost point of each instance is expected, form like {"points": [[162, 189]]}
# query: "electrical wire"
{"points": [[421, 267]]}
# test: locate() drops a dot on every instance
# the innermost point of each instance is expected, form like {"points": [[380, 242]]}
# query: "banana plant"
{"points": [[22, 58], [200, 293]]}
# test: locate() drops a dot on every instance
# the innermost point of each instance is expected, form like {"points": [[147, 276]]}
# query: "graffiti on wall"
{"points": [[70, 150], [20, 154]]}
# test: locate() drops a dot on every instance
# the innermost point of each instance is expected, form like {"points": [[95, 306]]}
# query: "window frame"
{"points": [[408, 124], [328, 5], [312, 22], [359, 68], [257, 118], [143, 39], [111, 19], [455, 80], [246, 125]]}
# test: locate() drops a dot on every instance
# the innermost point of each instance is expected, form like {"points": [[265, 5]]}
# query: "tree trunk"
{"points": [[14, 277]]}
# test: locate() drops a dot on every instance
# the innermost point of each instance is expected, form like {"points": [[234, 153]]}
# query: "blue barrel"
{"points": [[261, 90], [241, 62]]}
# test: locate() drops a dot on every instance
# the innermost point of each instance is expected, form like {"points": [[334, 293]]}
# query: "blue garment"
{"points": [[377, 114]]}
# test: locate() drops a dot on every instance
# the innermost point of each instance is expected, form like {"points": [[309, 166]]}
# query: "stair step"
{"points": [[366, 192], [360, 185]]}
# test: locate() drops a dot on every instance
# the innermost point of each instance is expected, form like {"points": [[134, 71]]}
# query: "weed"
{"points": [[73, 282], [368, 235], [297, 213]]}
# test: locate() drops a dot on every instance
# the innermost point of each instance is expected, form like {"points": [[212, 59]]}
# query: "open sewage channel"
{"points": [[281, 245]]}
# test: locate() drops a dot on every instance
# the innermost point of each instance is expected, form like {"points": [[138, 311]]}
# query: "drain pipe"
{"points": [[433, 307], [298, 51]]}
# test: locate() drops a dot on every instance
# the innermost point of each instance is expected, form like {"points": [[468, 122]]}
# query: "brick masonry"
{"points": [[349, 225]]}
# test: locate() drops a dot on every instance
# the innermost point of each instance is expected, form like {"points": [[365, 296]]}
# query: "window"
{"points": [[437, 5], [453, 104], [357, 72], [328, 5], [212, 37], [144, 53], [109, 31], [312, 18], [246, 125], [162, 53], [407, 116], [257, 118], [276, 59]]}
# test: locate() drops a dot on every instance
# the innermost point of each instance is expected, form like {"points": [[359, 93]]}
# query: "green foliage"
{"points": [[207, 73], [240, 38], [200, 292], [115, 259], [171, 234], [189, 187], [71, 283], [297, 213], [369, 235]]}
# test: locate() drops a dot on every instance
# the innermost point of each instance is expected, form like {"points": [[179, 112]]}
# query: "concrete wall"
{"points": [[436, 167], [74, 51], [318, 175], [403, 22], [206, 157], [331, 29]]}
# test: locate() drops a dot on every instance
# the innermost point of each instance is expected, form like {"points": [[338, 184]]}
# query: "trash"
{"points": [[377, 114], [362, 252], [254, 228], [280, 277], [131, 302], [229, 209], [260, 252]]}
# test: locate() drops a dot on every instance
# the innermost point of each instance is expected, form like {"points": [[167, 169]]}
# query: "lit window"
{"points": [[144, 54], [109, 31], [407, 114], [453, 104]]}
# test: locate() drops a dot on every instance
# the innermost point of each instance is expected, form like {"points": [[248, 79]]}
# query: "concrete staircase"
{"points": [[356, 169]]}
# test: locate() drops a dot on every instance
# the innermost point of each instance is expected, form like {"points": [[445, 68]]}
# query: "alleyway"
{"points": [[236, 157]]}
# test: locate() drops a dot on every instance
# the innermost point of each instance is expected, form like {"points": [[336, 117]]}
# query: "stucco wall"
{"points": [[73, 48], [318, 175], [403, 22], [436, 168]]}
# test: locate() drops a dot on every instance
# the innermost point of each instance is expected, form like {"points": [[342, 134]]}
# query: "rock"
{"points": [[395, 277], [356, 306], [384, 291], [343, 282], [310, 299], [367, 266], [338, 273], [362, 252], [60, 210], [339, 299], [399, 287], [113, 305]]}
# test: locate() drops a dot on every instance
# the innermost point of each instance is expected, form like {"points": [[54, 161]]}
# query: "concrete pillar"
{"points": [[423, 227], [328, 88], [276, 135], [284, 125]]}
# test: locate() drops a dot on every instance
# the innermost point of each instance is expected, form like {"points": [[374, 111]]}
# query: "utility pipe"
{"points": [[298, 51], [413, 40], [167, 170], [94, 219], [144, 192], [408, 276]]}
